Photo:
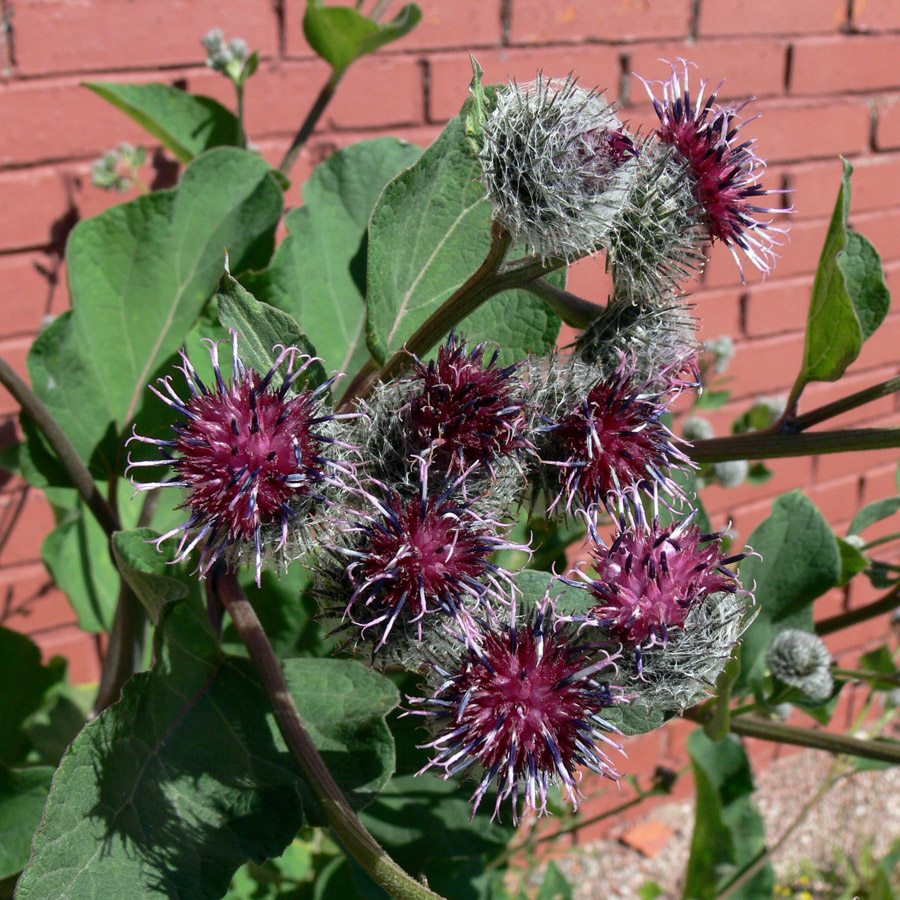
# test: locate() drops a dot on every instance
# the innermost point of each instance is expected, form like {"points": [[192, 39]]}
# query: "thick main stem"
{"points": [[68, 456], [572, 309], [338, 812], [888, 603]]}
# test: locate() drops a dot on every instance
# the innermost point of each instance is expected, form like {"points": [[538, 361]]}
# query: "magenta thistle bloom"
{"points": [[249, 454], [466, 412], [650, 577], [613, 444], [724, 168], [524, 704], [419, 557]]}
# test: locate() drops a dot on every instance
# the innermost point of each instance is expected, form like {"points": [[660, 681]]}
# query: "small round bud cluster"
{"points": [[117, 169], [722, 351], [696, 428], [557, 166], [521, 703], [801, 660], [220, 54], [251, 457]]}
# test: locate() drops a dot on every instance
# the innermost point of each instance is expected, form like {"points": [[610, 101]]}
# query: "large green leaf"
{"points": [[261, 328], [185, 123], [140, 274], [849, 297], [429, 233], [796, 559], [186, 777], [729, 832], [77, 556], [341, 35], [24, 684], [874, 512], [23, 793], [318, 273]]}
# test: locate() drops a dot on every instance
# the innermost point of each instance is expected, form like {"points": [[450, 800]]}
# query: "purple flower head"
{"points": [[613, 444], [724, 168], [416, 558], [248, 453], [649, 578], [465, 412], [523, 703]]}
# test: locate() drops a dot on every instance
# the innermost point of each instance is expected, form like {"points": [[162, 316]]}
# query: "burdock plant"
{"points": [[425, 511]]}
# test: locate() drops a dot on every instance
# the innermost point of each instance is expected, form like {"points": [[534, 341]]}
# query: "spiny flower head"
{"points": [[801, 659], [523, 703], [465, 412], [649, 578], [248, 453], [612, 444], [723, 168], [555, 163], [416, 559]]}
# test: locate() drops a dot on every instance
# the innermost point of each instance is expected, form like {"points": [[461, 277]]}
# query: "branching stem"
{"points": [[341, 817]]}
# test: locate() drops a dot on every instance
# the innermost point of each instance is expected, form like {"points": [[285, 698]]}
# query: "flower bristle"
{"points": [[556, 166], [522, 704], [466, 412], [723, 167], [248, 452], [650, 577], [416, 559], [611, 445]]}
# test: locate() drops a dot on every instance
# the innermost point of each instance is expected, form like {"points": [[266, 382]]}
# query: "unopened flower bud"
{"points": [[801, 660], [731, 472]]}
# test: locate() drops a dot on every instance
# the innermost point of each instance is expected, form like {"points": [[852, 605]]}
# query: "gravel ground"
{"points": [[859, 809]]}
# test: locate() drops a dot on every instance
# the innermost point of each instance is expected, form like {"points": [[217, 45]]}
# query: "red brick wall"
{"points": [[825, 74]]}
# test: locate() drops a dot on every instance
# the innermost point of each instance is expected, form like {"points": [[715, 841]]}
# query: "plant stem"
{"points": [[864, 675], [883, 540], [888, 603], [572, 309], [125, 652], [752, 726], [242, 132], [830, 410], [310, 122], [341, 817], [768, 445], [68, 456]]}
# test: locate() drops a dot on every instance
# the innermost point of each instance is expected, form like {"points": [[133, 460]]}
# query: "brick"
{"points": [[766, 365], [78, 647], [589, 279], [47, 195], [834, 498], [538, 22], [718, 312], [450, 74], [30, 602], [648, 838], [788, 474], [14, 351], [35, 287], [33, 522], [444, 25], [750, 68], [876, 15], [887, 127], [778, 306], [54, 119], [881, 228], [843, 64], [54, 36], [833, 465], [741, 17]]}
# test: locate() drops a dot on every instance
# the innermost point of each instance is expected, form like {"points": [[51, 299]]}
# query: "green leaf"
{"points": [[186, 777], [261, 328], [476, 110], [318, 273], [341, 35], [23, 793], [570, 601], [872, 513], [24, 685], [186, 124], [146, 570], [853, 561], [796, 559], [424, 818], [849, 297], [77, 556], [436, 212], [139, 275], [728, 830], [554, 886]]}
